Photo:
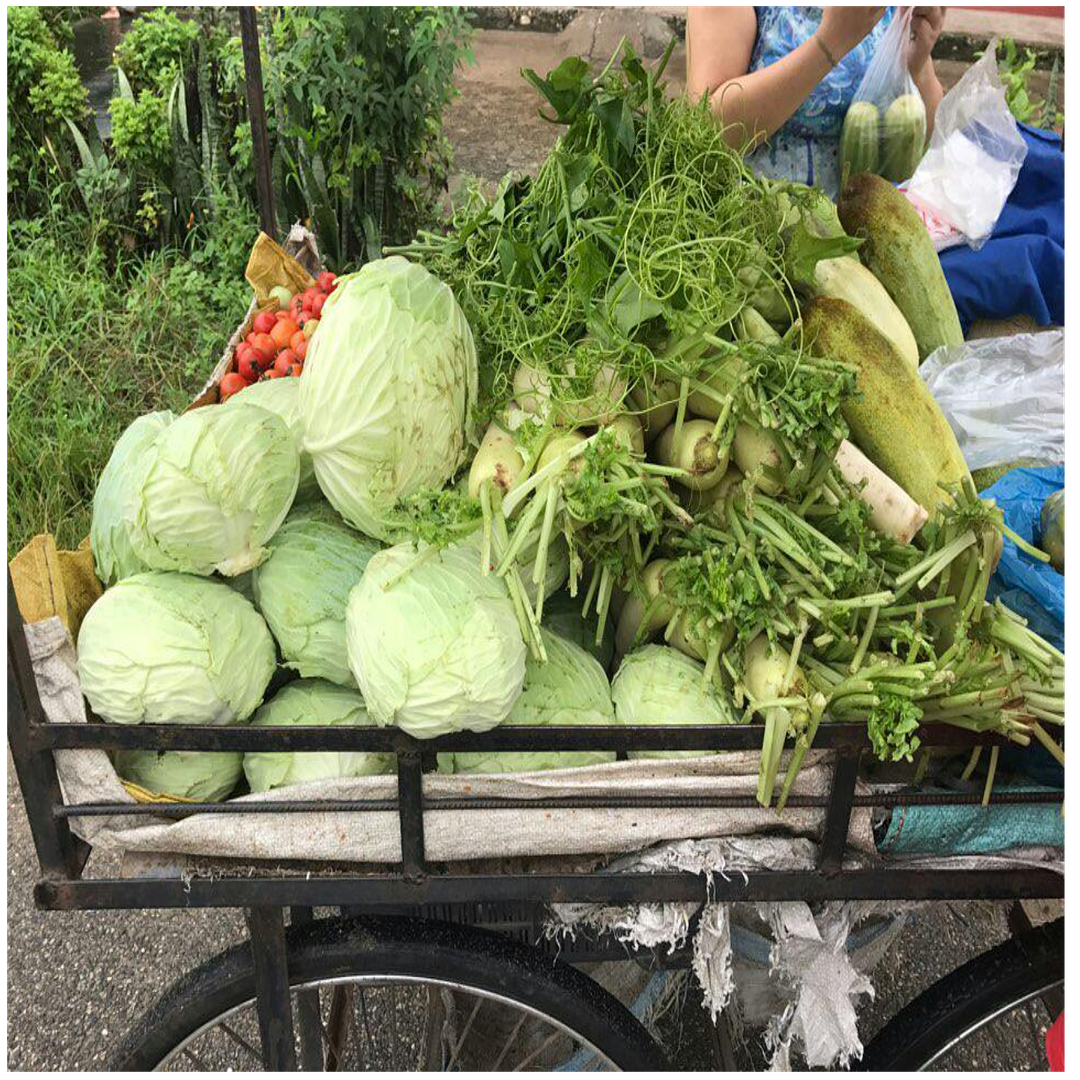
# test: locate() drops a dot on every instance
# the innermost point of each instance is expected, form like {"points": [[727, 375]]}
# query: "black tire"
{"points": [[404, 948], [1028, 966]]}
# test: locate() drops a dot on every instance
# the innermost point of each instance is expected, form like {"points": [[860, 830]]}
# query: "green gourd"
{"points": [[903, 137]]}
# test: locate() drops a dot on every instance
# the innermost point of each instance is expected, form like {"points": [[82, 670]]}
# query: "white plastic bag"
{"points": [[973, 160], [884, 128], [1003, 397]]}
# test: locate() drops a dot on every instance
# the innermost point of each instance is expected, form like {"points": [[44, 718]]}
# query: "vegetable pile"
{"points": [[643, 415]]}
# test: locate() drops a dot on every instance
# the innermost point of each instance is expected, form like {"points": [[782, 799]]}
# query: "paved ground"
{"points": [[75, 982]]}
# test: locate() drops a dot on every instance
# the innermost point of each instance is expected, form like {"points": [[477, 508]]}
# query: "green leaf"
{"points": [[83, 147], [628, 307], [804, 251], [123, 85]]}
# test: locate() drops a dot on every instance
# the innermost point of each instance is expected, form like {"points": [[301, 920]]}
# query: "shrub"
{"points": [[357, 95], [158, 47], [44, 92]]}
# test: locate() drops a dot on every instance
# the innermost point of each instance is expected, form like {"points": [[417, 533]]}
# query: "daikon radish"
{"points": [[695, 452], [893, 511]]}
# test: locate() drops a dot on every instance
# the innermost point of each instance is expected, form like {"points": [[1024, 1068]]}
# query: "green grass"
{"points": [[90, 347]]}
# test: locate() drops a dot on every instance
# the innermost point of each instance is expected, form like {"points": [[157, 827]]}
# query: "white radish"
{"points": [[627, 429], [497, 460], [532, 389], [892, 510], [757, 456], [656, 402], [603, 404], [559, 444], [695, 453], [721, 379], [645, 612]]}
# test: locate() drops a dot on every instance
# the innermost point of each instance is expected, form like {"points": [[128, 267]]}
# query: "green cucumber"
{"points": [[903, 137], [859, 139]]}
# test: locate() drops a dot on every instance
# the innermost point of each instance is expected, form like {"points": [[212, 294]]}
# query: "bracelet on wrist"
{"points": [[825, 49]]}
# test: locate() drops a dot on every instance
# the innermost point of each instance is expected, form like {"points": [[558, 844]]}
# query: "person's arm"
{"points": [[926, 24], [752, 105]]}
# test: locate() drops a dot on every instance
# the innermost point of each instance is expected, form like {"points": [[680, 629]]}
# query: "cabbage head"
{"points": [[562, 614], [220, 483], [282, 396], [570, 689], [116, 502], [660, 685], [316, 702], [434, 644], [388, 386], [303, 588], [205, 776], [174, 649]]}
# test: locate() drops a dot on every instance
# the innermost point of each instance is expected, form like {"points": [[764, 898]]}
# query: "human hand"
{"points": [[842, 28], [926, 24]]}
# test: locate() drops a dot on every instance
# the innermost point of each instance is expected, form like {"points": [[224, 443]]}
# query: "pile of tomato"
{"points": [[278, 342]]}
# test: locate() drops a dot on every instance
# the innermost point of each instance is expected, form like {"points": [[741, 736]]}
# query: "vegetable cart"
{"points": [[416, 961], [424, 941]]}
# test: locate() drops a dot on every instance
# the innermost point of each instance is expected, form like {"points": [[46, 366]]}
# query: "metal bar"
{"points": [[411, 814], [57, 853], [308, 1014], [267, 929], [372, 893], [838, 816], [556, 802], [256, 108], [103, 736]]}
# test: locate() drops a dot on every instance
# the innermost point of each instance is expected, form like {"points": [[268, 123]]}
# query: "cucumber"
{"points": [[903, 137], [859, 139], [898, 251]]}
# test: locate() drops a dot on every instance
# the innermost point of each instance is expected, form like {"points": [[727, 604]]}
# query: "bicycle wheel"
{"points": [[991, 1013], [396, 994]]}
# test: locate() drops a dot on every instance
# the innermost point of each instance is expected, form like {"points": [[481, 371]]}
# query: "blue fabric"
{"points": [[805, 148], [1020, 270], [974, 830], [1033, 586]]}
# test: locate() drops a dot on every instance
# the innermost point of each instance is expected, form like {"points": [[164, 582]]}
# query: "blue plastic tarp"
{"points": [[1031, 588], [1020, 270]]}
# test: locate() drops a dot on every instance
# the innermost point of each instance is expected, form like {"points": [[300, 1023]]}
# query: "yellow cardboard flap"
{"points": [[269, 265], [50, 582]]}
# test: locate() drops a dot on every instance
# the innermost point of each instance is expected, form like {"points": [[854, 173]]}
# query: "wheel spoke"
{"points": [[394, 1028], [509, 1042], [456, 1050], [241, 1041], [337, 1033], [199, 1063], [525, 1061]]}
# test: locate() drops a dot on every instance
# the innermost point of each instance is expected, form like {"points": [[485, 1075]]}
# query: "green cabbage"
{"points": [[562, 613], [570, 689], [172, 649], [388, 386], [303, 588], [115, 503], [434, 644], [660, 685], [206, 776], [282, 396], [220, 483], [312, 701]]}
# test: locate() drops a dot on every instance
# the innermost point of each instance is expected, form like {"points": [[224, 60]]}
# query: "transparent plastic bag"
{"points": [[1003, 397], [974, 158], [884, 129]]}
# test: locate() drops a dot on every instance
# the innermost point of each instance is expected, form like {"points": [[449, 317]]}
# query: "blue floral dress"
{"points": [[805, 148]]}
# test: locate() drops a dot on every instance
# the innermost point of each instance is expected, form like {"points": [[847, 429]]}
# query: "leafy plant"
{"points": [[356, 98], [1015, 67], [158, 47], [44, 93]]}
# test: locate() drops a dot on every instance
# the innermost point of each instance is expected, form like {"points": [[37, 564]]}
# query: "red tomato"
{"points": [[282, 315], [296, 370], [272, 374], [249, 369], [300, 348], [309, 297], [317, 305], [296, 339], [242, 350], [326, 281], [285, 360], [283, 332], [296, 305], [264, 322], [231, 384], [265, 349]]}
